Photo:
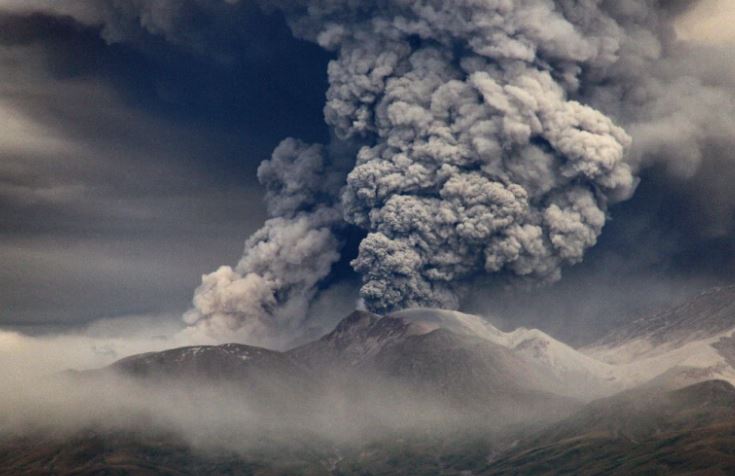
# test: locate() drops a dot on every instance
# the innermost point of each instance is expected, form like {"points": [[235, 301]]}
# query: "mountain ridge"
{"points": [[599, 370], [423, 391]]}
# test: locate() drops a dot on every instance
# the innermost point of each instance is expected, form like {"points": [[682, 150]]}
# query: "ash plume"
{"points": [[476, 159], [284, 261], [492, 137]]}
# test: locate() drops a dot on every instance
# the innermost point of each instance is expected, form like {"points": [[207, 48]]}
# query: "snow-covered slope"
{"points": [[638, 362], [583, 375], [680, 346]]}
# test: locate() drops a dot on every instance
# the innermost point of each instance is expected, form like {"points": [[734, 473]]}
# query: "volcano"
{"points": [[419, 390]]}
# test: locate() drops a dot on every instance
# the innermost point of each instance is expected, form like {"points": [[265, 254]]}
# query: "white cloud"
{"points": [[711, 21], [99, 344]]}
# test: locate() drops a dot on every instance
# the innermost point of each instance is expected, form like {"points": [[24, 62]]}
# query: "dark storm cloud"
{"points": [[118, 162]]}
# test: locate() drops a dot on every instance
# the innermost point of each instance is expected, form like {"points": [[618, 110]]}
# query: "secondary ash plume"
{"points": [[276, 279]]}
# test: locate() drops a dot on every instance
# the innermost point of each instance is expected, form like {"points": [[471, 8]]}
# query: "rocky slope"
{"points": [[646, 431]]}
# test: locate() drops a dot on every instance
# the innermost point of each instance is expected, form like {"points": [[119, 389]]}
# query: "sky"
{"points": [[128, 170], [126, 174]]}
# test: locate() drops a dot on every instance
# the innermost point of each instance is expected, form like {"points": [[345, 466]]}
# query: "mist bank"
{"points": [[370, 379], [208, 416]]}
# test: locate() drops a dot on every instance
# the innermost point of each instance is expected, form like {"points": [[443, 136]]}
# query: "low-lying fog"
{"points": [[39, 396]]}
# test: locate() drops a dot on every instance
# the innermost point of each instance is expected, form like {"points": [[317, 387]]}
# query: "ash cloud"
{"points": [[491, 138], [492, 131], [474, 159], [283, 263]]}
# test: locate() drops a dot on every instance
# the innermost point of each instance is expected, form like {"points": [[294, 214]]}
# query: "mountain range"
{"points": [[427, 391]]}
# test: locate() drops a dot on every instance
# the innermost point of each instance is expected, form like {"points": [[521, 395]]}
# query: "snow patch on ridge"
{"points": [[586, 375], [639, 361], [594, 371]]}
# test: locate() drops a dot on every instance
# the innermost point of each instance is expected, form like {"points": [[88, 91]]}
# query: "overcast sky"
{"points": [[127, 170], [127, 173]]}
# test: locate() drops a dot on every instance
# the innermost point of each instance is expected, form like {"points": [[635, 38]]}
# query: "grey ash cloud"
{"points": [[474, 159], [284, 261], [486, 147]]}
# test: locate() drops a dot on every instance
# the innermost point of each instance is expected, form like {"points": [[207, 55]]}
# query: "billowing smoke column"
{"points": [[474, 157], [478, 169]]}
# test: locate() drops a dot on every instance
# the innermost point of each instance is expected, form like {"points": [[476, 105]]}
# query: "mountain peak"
{"points": [[708, 392], [357, 337], [357, 320], [214, 362]]}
